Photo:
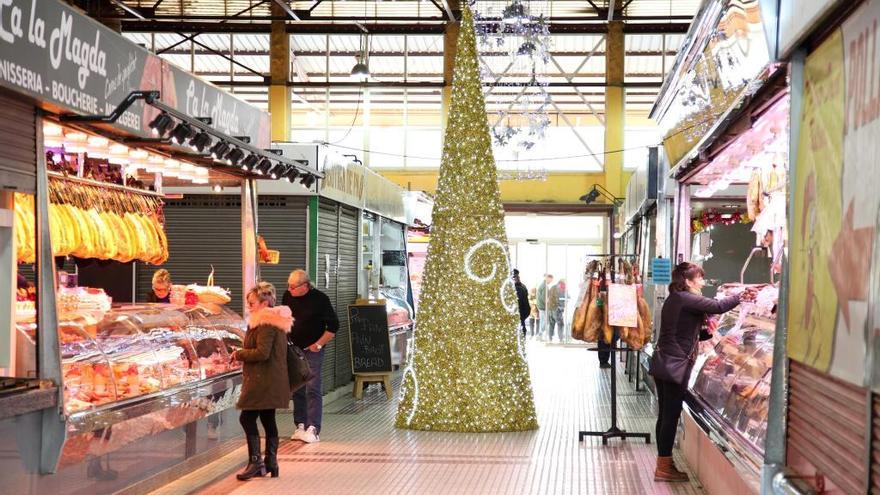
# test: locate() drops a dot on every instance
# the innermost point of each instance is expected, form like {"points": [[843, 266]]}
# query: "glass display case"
{"points": [[400, 313], [732, 375], [135, 351]]}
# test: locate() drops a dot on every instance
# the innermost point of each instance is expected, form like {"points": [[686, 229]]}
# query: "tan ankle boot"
{"points": [[666, 471]]}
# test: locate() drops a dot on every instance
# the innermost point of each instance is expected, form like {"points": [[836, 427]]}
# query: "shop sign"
{"points": [[384, 197], [228, 114], [344, 180], [73, 63], [661, 271], [725, 53], [836, 207]]}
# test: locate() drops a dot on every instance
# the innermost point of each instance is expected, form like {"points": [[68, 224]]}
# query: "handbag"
{"points": [[298, 370], [670, 367]]}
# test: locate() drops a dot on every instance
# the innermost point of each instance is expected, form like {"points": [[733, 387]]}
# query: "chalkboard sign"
{"points": [[370, 344]]}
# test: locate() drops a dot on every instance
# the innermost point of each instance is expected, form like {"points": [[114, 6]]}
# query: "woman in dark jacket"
{"points": [[265, 386], [682, 316]]}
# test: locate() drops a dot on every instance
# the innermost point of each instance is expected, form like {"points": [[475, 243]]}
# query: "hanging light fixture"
{"points": [[200, 142], [219, 150], [361, 69], [249, 161], [234, 156], [263, 167], [161, 124], [291, 174], [181, 133]]}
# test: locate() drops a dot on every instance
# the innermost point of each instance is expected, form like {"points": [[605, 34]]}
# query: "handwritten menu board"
{"points": [[370, 344]]}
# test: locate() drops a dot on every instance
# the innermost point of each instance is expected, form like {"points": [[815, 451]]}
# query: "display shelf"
{"points": [[135, 352]]}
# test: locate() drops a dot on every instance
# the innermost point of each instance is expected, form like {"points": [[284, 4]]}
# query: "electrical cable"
{"points": [[354, 119], [554, 158]]}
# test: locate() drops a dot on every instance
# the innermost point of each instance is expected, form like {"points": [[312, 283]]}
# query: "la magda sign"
{"points": [[69, 61]]}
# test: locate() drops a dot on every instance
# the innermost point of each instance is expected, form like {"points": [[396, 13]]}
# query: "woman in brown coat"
{"points": [[265, 385]]}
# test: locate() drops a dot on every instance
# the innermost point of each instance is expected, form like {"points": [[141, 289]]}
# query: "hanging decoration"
{"points": [[706, 219], [526, 39]]}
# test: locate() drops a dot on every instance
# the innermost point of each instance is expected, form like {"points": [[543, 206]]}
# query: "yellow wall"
{"points": [[560, 187]]}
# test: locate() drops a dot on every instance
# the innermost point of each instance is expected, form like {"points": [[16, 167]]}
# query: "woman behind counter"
{"points": [[161, 292], [682, 317], [265, 386]]}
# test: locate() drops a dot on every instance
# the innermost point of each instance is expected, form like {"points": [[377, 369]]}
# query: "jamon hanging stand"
{"points": [[613, 431]]}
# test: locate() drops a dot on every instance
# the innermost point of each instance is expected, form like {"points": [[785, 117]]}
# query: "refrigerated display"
{"points": [[732, 377], [137, 351]]}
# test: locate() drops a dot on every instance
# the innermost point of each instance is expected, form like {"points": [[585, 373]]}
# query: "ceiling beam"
{"points": [[424, 26], [374, 54], [448, 10], [422, 84], [287, 10]]}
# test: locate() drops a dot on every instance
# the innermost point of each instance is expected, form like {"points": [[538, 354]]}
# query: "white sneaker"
{"points": [[300, 433], [311, 435]]}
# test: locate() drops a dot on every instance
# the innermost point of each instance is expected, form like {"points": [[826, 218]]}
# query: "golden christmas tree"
{"points": [[468, 370]]}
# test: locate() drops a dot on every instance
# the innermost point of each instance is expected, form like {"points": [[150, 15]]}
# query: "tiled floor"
{"points": [[362, 453]]}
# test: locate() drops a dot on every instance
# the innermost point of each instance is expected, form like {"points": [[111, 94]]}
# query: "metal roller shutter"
{"points": [[282, 223], [828, 429], [202, 231], [325, 280], [18, 142], [346, 288], [198, 221], [875, 447]]}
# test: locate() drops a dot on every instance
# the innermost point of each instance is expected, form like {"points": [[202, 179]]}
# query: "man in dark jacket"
{"points": [[314, 324], [522, 300]]}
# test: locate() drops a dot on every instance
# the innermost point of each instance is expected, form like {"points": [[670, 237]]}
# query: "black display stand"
{"points": [[614, 431]]}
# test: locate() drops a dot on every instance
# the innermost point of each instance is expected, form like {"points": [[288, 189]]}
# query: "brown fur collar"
{"points": [[278, 316]]}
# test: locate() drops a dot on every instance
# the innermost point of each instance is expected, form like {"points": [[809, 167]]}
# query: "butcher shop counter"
{"points": [[19, 396], [137, 380], [727, 404]]}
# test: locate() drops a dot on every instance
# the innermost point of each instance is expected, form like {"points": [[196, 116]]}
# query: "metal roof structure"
{"points": [[227, 42]]}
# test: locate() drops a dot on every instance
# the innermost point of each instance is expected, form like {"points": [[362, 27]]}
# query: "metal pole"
{"points": [[611, 241], [53, 424], [774, 445]]}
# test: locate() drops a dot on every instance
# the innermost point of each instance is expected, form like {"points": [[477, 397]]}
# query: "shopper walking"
{"points": [[522, 300], [265, 386], [682, 316], [561, 295], [556, 297], [315, 324], [542, 303], [533, 311]]}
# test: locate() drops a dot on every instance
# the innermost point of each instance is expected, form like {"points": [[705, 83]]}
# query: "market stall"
{"points": [[826, 416], [129, 371], [93, 373], [724, 115]]}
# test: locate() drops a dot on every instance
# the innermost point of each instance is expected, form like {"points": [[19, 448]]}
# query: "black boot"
{"points": [[255, 467], [271, 460]]}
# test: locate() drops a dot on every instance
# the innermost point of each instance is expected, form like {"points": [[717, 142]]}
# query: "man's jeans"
{"points": [[308, 401]]}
